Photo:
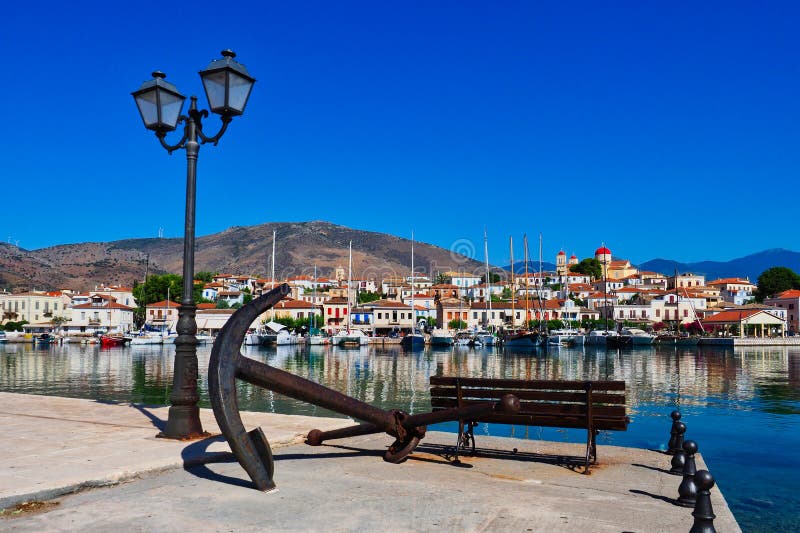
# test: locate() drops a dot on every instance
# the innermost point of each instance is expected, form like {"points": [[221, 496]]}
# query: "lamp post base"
{"points": [[183, 423]]}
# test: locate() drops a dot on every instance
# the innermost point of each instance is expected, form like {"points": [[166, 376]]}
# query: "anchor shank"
{"points": [[305, 390]]}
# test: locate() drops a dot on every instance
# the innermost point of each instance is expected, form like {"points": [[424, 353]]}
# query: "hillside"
{"points": [[238, 250]]}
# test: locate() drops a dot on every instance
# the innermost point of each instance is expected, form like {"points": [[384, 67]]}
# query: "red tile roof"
{"points": [[791, 293], [732, 316]]}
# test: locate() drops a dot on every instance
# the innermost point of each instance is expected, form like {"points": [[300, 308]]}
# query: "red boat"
{"points": [[108, 341]]}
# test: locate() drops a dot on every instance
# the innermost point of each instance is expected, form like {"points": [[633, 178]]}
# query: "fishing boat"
{"points": [[484, 338], [565, 337], [146, 337], [462, 338], [414, 340], [629, 337], [599, 337], [441, 337], [109, 341], [284, 338]]}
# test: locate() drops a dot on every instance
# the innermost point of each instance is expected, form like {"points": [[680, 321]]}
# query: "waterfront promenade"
{"points": [[98, 466]]}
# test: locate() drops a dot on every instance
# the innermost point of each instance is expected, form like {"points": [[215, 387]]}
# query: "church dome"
{"points": [[602, 251]]}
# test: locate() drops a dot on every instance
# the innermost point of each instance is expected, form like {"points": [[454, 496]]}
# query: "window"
{"points": [[83, 315], [658, 313], [492, 314], [685, 313], [379, 316], [475, 314], [36, 306]]}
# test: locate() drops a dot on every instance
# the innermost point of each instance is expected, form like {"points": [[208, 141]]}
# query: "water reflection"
{"points": [[741, 405]]}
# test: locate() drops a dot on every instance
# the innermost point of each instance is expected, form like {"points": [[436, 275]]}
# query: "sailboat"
{"points": [[414, 340], [153, 337], [350, 337], [316, 338], [485, 337], [522, 338]]}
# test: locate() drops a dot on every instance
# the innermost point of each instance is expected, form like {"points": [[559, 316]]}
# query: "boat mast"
{"points": [[605, 289], [541, 287], [488, 278], [527, 298], [513, 284], [314, 301], [349, 282], [413, 310], [272, 280]]}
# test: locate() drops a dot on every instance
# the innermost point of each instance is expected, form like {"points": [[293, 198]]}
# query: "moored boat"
{"points": [[523, 340], [629, 337], [108, 341], [440, 337]]}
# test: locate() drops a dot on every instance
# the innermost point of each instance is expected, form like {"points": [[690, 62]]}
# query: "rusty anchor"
{"points": [[252, 449]]}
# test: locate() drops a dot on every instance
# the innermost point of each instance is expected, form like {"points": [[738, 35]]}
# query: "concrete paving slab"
{"points": [[150, 484]]}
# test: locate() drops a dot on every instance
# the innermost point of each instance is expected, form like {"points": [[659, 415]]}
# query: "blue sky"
{"points": [[664, 129]]}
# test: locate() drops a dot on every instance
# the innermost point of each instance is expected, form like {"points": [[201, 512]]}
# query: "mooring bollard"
{"points": [[675, 443], [679, 459], [687, 492], [703, 512]]}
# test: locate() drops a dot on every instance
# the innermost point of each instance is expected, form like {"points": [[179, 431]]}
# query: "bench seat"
{"points": [[591, 405]]}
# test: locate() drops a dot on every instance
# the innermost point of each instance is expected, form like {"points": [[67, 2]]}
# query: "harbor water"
{"points": [[741, 405]]}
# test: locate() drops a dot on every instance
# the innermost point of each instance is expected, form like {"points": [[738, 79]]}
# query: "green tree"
{"points": [[14, 326], [589, 266], [457, 323], [204, 276], [366, 296], [223, 304], [58, 321], [506, 293], [775, 280], [494, 277]]}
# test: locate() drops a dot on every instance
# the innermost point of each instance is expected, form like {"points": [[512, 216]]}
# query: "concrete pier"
{"points": [[87, 465]]}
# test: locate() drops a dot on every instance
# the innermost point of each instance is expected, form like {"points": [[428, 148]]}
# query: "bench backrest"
{"points": [[551, 403]]}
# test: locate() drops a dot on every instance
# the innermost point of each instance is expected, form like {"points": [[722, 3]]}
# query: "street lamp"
{"points": [[227, 86]]}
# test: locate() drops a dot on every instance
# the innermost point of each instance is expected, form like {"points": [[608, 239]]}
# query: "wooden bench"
{"points": [[590, 405]]}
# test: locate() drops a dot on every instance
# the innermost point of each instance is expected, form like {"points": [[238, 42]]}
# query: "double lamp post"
{"points": [[227, 86]]}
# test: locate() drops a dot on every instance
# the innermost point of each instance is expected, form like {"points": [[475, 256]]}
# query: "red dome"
{"points": [[573, 256], [602, 251], [562, 253]]}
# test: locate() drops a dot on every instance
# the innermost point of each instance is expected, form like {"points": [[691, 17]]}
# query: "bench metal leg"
{"points": [[456, 460], [591, 449]]}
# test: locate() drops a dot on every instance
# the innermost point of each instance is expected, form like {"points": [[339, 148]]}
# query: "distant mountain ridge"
{"points": [[750, 266], [237, 250]]}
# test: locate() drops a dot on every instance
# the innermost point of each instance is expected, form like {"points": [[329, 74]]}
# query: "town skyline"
{"points": [[645, 127]]}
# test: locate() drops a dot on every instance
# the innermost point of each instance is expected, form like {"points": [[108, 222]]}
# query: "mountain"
{"points": [[533, 266], [750, 266], [237, 250]]}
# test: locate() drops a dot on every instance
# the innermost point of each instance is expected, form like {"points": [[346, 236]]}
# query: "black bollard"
{"points": [[703, 513], [675, 444], [687, 492], [679, 459]]}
